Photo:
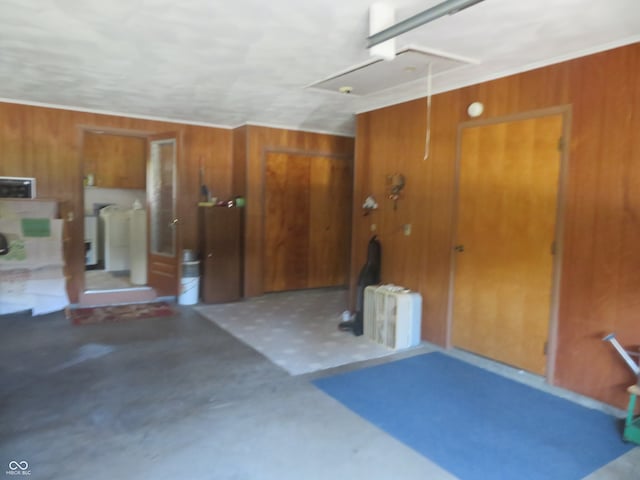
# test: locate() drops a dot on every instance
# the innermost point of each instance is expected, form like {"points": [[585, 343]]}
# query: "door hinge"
{"points": [[553, 248], [545, 348], [561, 144]]}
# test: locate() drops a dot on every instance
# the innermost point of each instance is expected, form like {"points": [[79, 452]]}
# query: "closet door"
{"points": [[286, 222], [306, 221], [329, 222]]}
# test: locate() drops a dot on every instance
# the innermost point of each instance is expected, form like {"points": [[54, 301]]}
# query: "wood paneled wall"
{"points": [[249, 161], [600, 282], [240, 161], [45, 143]]}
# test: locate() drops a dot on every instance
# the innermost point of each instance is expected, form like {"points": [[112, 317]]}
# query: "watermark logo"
{"points": [[18, 468]]}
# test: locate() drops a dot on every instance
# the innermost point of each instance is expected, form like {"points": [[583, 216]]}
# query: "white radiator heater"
{"points": [[392, 316]]}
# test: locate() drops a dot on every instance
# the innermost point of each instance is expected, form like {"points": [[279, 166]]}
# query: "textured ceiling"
{"points": [[227, 63]]}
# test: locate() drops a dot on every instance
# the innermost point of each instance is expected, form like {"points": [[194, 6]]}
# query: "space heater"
{"points": [[392, 316]]}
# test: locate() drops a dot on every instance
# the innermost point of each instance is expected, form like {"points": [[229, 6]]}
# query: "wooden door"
{"points": [[73, 263], [330, 222], [307, 221], [507, 202], [221, 250], [163, 225], [286, 222]]}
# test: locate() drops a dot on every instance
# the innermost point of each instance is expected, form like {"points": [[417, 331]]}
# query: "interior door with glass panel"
{"points": [[164, 228]]}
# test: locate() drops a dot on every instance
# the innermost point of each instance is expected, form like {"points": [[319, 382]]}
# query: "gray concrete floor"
{"points": [[177, 397]]}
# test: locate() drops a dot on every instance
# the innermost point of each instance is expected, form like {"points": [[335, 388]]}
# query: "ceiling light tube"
{"points": [[448, 7], [381, 16]]}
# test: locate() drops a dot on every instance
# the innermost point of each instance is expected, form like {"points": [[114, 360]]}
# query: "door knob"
{"points": [[173, 223], [459, 248], [209, 255]]}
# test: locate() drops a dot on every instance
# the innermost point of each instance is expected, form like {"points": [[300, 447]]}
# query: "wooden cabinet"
{"points": [[115, 161], [220, 233]]}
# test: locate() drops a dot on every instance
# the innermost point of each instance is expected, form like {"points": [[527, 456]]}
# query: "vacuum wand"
{"points": [[611, 338]]}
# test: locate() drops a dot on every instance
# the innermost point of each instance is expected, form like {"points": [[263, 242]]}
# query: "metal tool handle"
{"points": [[611, 338]]}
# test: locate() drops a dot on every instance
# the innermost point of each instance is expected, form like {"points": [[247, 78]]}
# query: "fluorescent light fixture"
{"points": [[445, 8], [381, 16]]}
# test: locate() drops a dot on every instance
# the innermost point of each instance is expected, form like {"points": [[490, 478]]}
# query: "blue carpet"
{"points": [[476, 424]]}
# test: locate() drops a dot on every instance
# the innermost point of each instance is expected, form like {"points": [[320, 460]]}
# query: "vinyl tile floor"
{"points": [[296, 330], [103, 280], [179, 397]]}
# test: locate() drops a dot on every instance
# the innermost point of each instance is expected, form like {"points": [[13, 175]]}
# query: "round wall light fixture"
{"points": [[475, 109]]}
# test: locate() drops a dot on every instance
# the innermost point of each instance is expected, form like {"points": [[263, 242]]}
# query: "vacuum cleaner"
{"points": [[369, 275]]}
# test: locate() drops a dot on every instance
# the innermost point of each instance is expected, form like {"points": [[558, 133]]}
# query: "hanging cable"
{"points": [[427, 140]]}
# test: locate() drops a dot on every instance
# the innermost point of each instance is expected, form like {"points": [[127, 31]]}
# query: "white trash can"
{"points": [[138, 246], [190, 283]]}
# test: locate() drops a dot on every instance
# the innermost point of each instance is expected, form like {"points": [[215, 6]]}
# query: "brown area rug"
{"points": [[119, 313]]}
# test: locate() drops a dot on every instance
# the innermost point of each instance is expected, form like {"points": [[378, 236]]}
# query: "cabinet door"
{"points": [[115, 161], [220, 249]]}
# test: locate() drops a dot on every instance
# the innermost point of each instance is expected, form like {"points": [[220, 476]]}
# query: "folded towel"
{"points": [[36, 227]]}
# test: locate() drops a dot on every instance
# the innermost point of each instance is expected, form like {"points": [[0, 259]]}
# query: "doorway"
{"points": [[114, 173], [505, 239], [131, 227]]}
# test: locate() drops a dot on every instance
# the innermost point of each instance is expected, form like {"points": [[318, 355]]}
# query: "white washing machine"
{"points": [[115, 228]]}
